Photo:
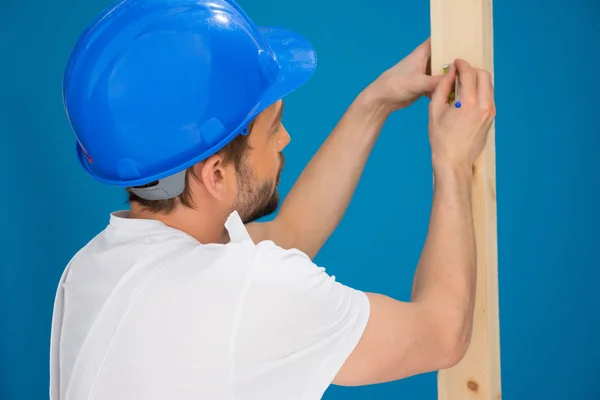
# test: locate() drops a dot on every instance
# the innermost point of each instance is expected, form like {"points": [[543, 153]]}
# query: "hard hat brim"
{"points": [[296, 62]]}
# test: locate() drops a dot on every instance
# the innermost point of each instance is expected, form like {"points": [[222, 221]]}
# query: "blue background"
{"points": [[546, 64]]}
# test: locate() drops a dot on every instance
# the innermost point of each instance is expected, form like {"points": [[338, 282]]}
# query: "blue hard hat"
{"points": [[153, 87]]}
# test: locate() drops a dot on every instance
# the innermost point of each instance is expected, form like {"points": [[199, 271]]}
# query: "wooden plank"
{"points": [[464, 29]]}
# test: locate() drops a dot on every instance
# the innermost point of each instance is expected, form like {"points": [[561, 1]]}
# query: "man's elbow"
{"points": [[453, 355], [456, 341]]}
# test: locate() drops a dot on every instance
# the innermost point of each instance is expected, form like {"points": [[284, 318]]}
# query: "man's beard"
{"points": [[256, 200]]}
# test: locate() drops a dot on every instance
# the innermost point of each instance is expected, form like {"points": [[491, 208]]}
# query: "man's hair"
{"points": [[233, 152]]}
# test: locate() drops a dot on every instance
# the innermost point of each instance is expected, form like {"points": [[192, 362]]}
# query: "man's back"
{"points": [[149, 312]]}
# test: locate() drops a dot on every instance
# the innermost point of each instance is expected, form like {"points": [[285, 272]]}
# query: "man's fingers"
{"points": [[467, 77], [439, 98], [485, 90], [422, 52], [424, 48]]}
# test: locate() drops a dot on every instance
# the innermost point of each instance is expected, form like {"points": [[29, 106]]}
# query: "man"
{"points": [[186, 295]]}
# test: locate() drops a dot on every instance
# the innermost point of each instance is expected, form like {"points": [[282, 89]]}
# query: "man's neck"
{"points": [[204, 227]]}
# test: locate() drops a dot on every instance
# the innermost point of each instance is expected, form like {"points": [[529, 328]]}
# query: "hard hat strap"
{"points": [[166, 188]]}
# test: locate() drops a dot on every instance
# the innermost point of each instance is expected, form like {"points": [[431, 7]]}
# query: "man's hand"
{"points": [[458, 135], [405, 82]]}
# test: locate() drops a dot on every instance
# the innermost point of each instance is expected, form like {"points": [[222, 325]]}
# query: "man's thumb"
{"points": [[427, 84], [432, 82], [443, 88]]}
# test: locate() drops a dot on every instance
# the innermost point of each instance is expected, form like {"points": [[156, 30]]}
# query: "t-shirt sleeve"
{"points": [[294, 329]]}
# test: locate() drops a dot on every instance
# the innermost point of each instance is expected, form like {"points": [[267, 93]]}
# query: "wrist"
{"points": [[454, 171], [369, 102]]}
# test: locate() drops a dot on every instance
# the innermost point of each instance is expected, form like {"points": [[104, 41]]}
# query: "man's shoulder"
{"points": [[270, 251], [269, 256]]}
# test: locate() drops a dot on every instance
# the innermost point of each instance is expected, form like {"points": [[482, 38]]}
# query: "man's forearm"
{"points": [[445, 279], [320, 196]]}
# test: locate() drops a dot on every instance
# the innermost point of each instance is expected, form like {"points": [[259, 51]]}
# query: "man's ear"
{"points": [[213, 175]]}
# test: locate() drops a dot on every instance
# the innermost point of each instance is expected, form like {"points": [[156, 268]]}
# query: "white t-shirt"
{"points": [[144, 311]]}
